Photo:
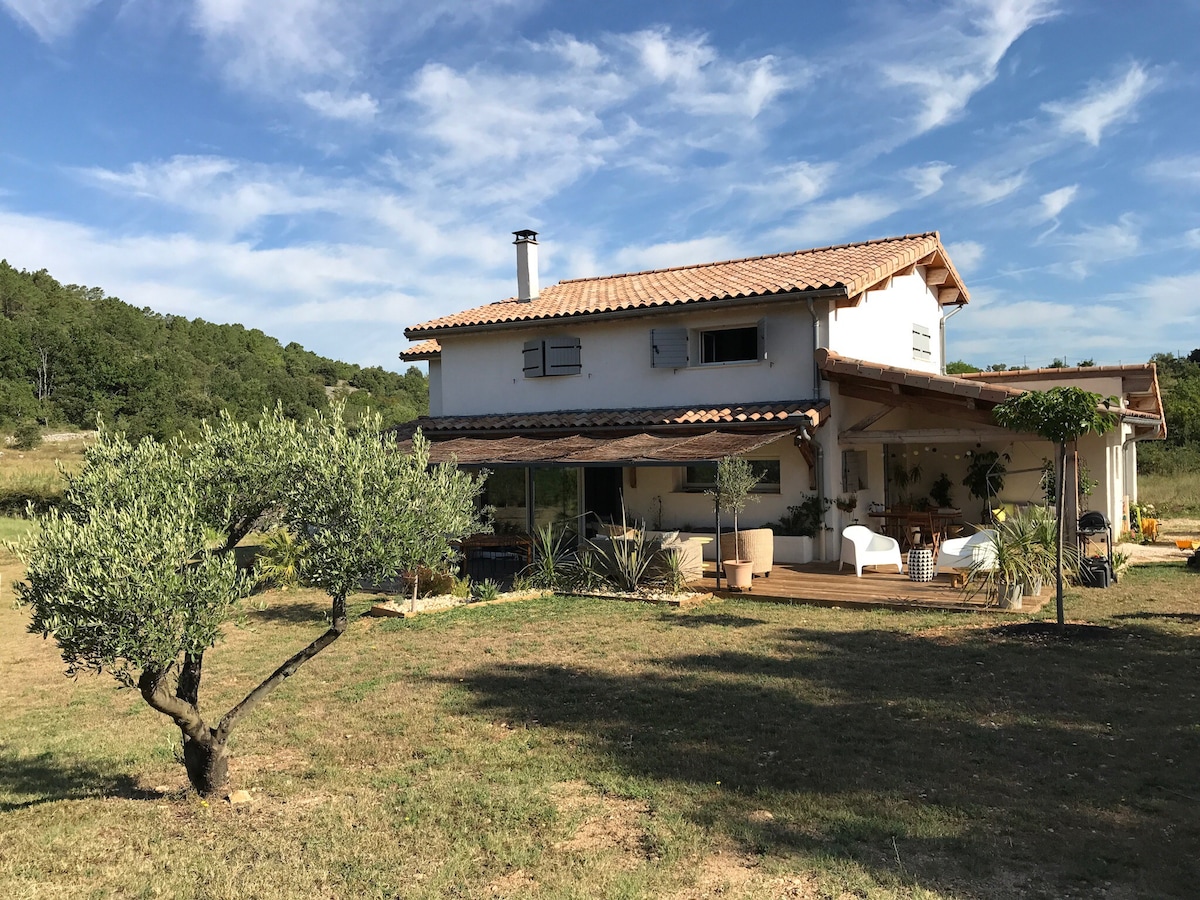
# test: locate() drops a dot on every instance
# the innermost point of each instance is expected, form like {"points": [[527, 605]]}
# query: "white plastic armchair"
{"points": [[976, 550], [863, 547]]}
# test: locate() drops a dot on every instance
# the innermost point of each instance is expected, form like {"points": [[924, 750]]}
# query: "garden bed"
{"points": [[404, 608]]}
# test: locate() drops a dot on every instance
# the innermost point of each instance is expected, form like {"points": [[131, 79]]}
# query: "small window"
{"points": [[703, 476], [922, 343], [729, 345]]}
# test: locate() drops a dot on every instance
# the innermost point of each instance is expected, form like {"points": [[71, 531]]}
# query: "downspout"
{"points": [[818, 450], [942, 336]]}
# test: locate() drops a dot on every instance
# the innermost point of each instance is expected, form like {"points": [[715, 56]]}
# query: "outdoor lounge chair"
{"points": [[863, 547], [960, 555]]}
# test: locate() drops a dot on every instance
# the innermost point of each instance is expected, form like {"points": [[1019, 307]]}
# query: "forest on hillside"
{"points": [[70, 354]]}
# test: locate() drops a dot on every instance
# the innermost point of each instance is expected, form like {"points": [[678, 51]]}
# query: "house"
{"points": [[824, 367]]}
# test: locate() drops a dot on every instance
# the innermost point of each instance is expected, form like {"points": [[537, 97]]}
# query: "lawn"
{"points": [[587, 748]]}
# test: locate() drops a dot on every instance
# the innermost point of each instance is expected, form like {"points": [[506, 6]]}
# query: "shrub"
{"points": [[28, 435], [487, 590], [279, 560]]}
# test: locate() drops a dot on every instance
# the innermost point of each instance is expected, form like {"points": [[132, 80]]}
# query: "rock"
{"points": [[240, 800]]}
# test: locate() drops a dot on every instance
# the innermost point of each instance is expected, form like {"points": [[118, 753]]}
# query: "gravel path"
{"points": [[1163, 550]]}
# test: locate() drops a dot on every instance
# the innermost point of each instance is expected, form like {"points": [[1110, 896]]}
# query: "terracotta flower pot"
{"points": [[739, 573]]}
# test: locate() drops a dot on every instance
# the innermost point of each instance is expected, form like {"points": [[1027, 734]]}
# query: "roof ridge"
{"points": [[726, 262], [1001, 375]]}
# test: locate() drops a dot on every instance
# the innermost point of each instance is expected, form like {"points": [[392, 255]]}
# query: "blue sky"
{"points": [[333, 170]]}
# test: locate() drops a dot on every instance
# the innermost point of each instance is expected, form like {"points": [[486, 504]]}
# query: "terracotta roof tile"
{"points": [[847, 268], [423, 350], [794, 413]]}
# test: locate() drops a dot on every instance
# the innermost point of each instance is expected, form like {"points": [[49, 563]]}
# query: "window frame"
{"points": [[690, 486]]}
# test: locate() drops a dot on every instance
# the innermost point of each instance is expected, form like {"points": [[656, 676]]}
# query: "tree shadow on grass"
{"points": [[725, 620], [999, 767], [1151, 616], [289, 613], [34, 780]]}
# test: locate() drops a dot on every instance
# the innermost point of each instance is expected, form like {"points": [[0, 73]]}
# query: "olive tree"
{"points": [[1062, 415], [133, 574]]}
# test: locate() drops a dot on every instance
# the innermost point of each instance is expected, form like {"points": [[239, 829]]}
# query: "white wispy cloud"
{"points": [[644, 101], [831, 221], [235, 196], [927, 179], [966, 255], [981, 190], [306, 48], [1099, 244], [1054, 202], [49, 19], [957, 54], [1104, 104], [349, 108], [1176, 170], [675, 253], [698, 79]]}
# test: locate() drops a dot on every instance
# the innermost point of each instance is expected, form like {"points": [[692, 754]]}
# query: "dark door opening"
{"points": [[602, 494]]}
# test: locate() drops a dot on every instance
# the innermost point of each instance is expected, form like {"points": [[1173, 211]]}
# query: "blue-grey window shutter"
{"points": [[535, 364], [669, 348], [562, 356]]}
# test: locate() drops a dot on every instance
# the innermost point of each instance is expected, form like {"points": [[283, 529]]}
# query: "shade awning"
{"points": [[583, 450]]}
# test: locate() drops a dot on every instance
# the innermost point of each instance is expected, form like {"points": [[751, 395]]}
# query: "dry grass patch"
{"points": [[568, 748]]}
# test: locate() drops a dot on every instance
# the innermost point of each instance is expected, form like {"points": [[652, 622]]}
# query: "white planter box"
{"points": [[793, 549]]}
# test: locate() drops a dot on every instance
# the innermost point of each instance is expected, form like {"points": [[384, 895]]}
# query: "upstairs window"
{"points": [[551, 356], [728, 345]]}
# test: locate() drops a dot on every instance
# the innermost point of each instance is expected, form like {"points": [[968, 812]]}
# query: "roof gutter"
{"points": [[839, 292]]}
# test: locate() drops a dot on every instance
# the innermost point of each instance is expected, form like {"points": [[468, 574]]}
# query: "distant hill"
{"points": [[70, 353]]}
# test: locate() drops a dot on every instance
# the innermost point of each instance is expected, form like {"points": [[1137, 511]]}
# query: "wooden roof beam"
{"points": [[908, 401], [934, 277]]}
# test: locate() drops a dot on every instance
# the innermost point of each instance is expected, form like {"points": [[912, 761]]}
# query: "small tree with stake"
{"points": [[735, 481], [1062, 415], [133, 574]]}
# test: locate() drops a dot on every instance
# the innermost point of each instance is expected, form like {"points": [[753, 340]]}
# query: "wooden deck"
{"points": [[822, 584]]}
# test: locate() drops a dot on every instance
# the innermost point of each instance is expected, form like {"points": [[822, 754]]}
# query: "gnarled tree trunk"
{"points": [[205, 750]]}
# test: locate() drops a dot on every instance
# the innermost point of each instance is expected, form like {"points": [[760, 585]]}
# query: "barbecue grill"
{"points": [[1095, 571]]}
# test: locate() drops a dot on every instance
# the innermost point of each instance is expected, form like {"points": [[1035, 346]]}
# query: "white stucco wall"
{"points": [[659, 497], [482, 373], [435, 387], [879, 329]]}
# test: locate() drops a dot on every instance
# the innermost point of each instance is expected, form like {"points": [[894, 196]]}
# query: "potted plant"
{"points": [[1009, 559], [735, 481], [985, 477], [796, 529], [902, 477], [939, 492], [1038, 532]]}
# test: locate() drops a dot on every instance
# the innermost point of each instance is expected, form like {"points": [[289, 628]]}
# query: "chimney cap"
{"points": [[525, 237]]}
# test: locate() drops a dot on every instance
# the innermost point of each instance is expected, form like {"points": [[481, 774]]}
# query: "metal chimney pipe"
{"points": [[527, 265]]}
